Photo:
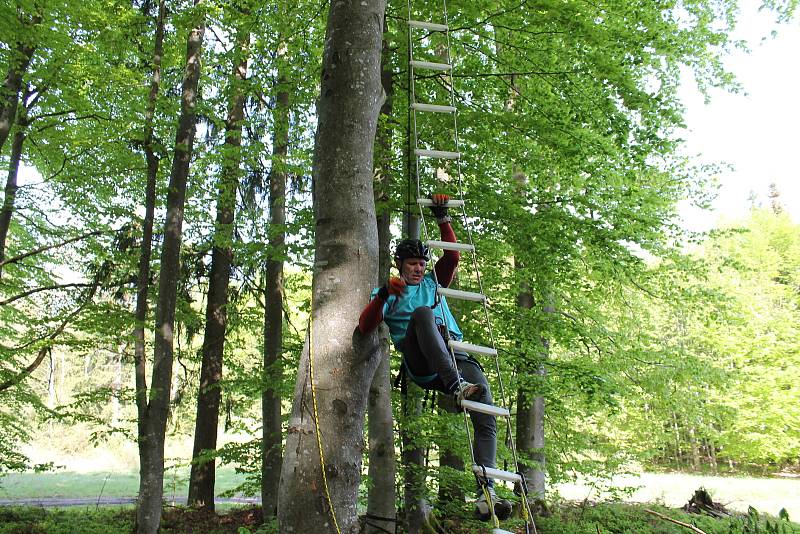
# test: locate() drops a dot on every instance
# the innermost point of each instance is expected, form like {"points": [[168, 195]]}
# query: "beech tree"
{"points": [[201, 481], [345, 270]]}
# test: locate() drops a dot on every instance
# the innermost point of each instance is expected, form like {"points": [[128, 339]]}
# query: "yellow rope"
{"points": [[316, 417], [490, 502]]}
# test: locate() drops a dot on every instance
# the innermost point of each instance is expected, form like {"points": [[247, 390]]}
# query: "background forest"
{"points": [[648, 346]]}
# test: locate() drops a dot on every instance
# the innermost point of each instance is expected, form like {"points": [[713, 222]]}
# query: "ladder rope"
{"points": [[424, 225], [459, 177]]}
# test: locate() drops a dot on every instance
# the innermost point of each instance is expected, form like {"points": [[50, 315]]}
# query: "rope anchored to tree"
{"points": [[316, 415]]}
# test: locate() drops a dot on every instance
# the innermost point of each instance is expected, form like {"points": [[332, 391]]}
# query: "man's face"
{"points": [[412, 270]]}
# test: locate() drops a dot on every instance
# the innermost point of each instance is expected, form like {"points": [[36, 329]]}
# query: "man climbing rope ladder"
{"points": [[420, 323]]}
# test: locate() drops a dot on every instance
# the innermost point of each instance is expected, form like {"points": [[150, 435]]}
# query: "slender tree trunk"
{"points": [[143, 277], [695, 449], [11, 189], [381, 509], [20, 60], [202, 477], [711, 449], [677, 433], [531, 408], [530, 421], [345, 269], [448, 491], [151, 484], [272, 454], [415, 503]]}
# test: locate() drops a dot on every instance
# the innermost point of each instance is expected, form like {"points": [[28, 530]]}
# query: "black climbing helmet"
{"points": [[411, 248]]}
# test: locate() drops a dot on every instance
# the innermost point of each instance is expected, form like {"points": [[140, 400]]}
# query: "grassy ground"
{"points": [[593, 519], [768, 495], [670, 489], [93, 485]]}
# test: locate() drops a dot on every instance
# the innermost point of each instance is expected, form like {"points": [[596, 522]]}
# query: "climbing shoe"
{"points": [[468, 391], [502, 507]]}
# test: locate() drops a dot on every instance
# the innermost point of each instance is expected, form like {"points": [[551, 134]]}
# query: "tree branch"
{"points": [[39, 289], [665, 518], [16, 259], [51, 338]]}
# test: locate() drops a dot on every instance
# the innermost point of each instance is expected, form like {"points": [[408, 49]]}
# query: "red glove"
{"points": [[395, 286]]}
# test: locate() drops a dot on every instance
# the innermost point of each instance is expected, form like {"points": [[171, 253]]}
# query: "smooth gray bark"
{"points": [[151, 471], [346, 258], [530, 421], [203, 475], [272, 452]]}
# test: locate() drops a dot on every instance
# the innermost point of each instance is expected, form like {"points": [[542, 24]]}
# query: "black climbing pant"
{"points": [[430, 365]]}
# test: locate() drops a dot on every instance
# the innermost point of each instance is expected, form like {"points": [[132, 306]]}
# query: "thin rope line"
{"points": [[316, 416]]}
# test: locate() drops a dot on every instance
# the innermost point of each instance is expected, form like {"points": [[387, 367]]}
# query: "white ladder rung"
{"points": [[426, 202], [428, 26], [472, 406], [463, 295], [434, 108], [429, 65], [497, 474], [500, 531], [469, 348], [441, 154], [448, 245]]}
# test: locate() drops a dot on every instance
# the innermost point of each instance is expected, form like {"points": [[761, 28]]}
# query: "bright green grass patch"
{"points": [[633, 519], [92, 485], [65, 521], [175, 520]]}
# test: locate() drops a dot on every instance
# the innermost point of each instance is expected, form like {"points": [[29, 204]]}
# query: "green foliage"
{"points": [[616, 518], [568, 114], [65, 521]]}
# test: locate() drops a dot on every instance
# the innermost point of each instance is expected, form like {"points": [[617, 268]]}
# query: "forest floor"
{"points": [[673, 490], [585, 518], [36, 503]]}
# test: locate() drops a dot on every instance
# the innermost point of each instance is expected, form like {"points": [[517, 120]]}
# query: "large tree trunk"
{"points": [[345, 270], [381, 509], [143, 277], [11, 188], [271, 453], [202, 477], [20, 59], [151, 476]]}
